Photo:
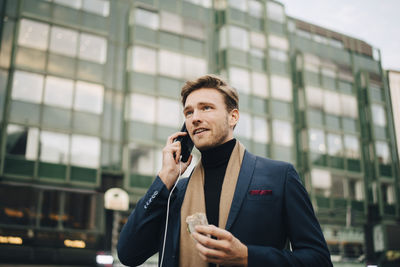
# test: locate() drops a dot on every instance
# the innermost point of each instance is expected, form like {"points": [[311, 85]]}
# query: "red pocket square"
{"points": [[260, 192]]}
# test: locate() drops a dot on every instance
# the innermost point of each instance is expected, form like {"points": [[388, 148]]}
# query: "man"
{"points": [[254, 205]]}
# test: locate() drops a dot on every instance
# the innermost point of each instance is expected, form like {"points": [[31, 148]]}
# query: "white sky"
{"points": [[376, 22]]}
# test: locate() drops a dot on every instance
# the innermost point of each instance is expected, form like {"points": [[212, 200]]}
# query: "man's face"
{"points": [[208, 122]]}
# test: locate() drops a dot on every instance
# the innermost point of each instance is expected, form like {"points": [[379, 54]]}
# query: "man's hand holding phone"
{"points": [[170, 169]]}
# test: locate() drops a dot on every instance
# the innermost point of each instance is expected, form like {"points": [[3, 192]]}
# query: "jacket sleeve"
{"points": [[308, 243], [140, 236]]}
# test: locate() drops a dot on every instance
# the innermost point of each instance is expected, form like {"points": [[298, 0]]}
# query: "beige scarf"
{"points": [[194, 202]]}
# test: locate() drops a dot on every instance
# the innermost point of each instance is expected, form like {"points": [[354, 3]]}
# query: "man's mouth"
{"points": [[199, 130]]}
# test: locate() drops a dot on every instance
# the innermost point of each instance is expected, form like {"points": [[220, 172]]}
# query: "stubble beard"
{"points": [[216, 140]]}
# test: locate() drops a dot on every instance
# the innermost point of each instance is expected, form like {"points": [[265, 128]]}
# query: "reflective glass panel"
{"points": [[278, 54], [194, 67], [240, 79], [80, 211], [193, 29], [92, 48], [99, 7], [142, 108], [238, 38], [258, 40], [349, 106], [85, 151], [169, 112], [33, 34], [275, 12], [281, 88], [255, 8], [332, 102], [63, 41], [335, 146], [378, 115], [27, 86], [315, 97], [282, 132], [238, 4], [382, 152], [141, 159], [54, 147], [170, 64], [243, 128], [171, 22], [278, 42], [351, 146], [70, 3], [89, 97], [58, 92], [22, 141], [259, 84], [144, 59], [146, 18], [321, 181], [317, 141], [260, 130]]}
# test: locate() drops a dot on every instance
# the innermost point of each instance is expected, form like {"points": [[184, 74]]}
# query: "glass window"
{"points": [[260, 130], [238, 4], [63, 41], [315, 97], [278, 42], [329, 72], [22, 141], [355, 189], [89, 97], [277, 54], [258, 40], [255, 8], [33, 34], [144, 59], [275, 12], [388, 195], [93, 48], [378, 115], [238, 38], [321, 182], [240, 79], [243, 127], [332, 103], [193, 29], [304, 34], [146, 18], [49, 216], [99, 7], [194, 67], [337, 187], [351, 146], [204, 3], [382, 152], [349, 106], [170, 64], [336, 43], [27, 86], [141, 159], [171, 22], [223, 38], [281, 88], [169, 112], [70, 3], [80, 211], [142, 108], [54, 147], [259, 84], [335, 146], [58, 92], [317, 141], [282, 132], [85, 151]]}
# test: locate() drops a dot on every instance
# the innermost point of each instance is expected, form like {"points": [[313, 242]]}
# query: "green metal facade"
{"points": [[90, 92]]}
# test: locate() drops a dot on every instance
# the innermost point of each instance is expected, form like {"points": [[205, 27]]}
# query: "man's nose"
{"points": [[196, 117]]}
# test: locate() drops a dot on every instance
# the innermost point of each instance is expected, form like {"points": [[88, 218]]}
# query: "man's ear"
{"points": [[233, 117]]}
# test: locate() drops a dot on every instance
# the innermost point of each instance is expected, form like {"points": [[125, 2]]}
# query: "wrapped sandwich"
{"points": [[198, 218]]}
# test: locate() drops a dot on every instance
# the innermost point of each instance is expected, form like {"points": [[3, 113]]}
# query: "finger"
{"points": [[172, 137], [213, 231], [209, 254], [207, 241]]}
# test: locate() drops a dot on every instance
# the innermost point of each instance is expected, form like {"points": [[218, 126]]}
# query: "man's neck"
{"points": [[217, 155]]}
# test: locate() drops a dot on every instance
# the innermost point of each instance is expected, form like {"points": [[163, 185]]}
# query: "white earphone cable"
{"points": [[166, 219]]}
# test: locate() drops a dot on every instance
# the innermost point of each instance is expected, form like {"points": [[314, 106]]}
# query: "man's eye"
{"points": [[188, 113], [206, 107]]}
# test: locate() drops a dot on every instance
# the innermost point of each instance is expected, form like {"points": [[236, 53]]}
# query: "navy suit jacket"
{"points": [[262, 220]]}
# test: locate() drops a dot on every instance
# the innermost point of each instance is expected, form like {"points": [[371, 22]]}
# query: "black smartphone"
{"points": [[186, 144]]}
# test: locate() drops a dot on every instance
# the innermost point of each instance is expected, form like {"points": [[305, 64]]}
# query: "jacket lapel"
{"points": [[245, 176]]}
